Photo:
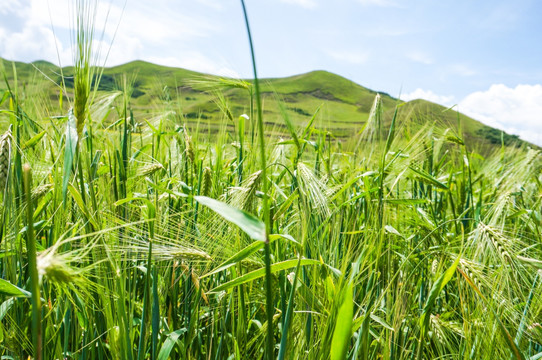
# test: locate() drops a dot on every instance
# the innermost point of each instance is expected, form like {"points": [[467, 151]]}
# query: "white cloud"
{"points": [[137, 29], [34, 42], [515, 110], [123, 50], [140, 25], [349, 56], [428, 95], [45, 13], [308, 4], [44, 32]]}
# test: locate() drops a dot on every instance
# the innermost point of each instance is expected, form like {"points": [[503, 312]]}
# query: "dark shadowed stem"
{"points": [[269, 294]]}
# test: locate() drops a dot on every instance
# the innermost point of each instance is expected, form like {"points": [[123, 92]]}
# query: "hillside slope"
{"points": [[344, 105]]}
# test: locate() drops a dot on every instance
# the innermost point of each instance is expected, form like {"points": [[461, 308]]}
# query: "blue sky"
{"points": [[485, 56]]}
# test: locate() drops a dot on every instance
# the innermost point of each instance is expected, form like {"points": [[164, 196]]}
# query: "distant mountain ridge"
{"points": [[345, 104]]}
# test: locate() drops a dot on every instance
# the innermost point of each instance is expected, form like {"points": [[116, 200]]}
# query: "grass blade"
{"points": [[343, 325], [429, 304], [289, 310], [8, 289], [168, 345], [257, 274], [253, 227], [69, 153]]}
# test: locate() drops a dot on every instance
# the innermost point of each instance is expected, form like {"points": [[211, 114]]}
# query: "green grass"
{"points": [[392, 232]]}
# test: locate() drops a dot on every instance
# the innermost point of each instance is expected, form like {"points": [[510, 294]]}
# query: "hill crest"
{"points": [[346, 104]]}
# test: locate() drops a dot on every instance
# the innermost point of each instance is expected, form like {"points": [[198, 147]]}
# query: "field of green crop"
{"points": [[130, 236]]}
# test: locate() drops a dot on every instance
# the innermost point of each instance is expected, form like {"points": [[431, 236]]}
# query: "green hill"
{"points": [[344, 105]]}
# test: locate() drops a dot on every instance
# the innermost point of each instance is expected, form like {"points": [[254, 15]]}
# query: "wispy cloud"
{"points": [[381, 3], [420, 57], [349, 56], [196, 61], [148, 23], [462, 70], [7, 6], [308, 4], [430, 96], [213, 4], [501, 16]]}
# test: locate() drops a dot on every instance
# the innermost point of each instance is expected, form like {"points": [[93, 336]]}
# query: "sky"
{"points": [[484, 57]]}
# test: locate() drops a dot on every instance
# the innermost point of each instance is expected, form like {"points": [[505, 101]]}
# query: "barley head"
{"points": [[56, 268], [41, 190], [244, 196], [189, 146], [207, 182], [5, 159], [150, 169]]}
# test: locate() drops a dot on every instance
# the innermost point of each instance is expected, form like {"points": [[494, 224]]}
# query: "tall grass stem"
{"points": [[32, 265], [265, 198]]}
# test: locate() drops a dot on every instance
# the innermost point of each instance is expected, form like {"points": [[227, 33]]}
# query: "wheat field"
{"points": [[131, 236]]}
